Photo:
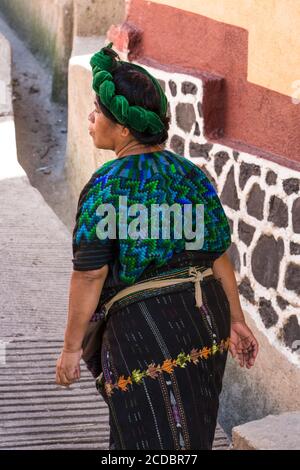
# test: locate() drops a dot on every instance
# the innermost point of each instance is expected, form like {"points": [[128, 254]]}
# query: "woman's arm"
{"points": [[243, 343], [84, 293], [223, 270]]}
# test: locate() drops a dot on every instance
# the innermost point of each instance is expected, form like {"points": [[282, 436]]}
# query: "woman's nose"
{"points": [[91, 117]]}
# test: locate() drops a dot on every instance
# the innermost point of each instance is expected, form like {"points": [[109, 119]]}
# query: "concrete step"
{"points": [[274, 432]]}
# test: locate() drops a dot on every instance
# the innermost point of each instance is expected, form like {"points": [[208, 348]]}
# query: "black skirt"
{"points": [[163, 361]]}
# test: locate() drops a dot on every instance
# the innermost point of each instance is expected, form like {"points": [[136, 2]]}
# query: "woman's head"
{"points": [[139, 90]]}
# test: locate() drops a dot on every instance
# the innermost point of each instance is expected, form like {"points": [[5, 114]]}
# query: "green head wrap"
{"points": [[136, 117]]}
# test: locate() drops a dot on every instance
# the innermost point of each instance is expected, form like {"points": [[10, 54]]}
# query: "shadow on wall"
{"points": [[270, 387]]}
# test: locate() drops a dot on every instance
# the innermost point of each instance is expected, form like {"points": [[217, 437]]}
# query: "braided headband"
{"points": [[136, 117]]}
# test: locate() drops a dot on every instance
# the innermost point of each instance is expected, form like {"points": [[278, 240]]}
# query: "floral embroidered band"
{"points": [[167, 366]]}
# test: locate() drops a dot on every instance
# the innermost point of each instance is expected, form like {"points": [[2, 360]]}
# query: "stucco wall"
{"points": [[260, 70], [273, 39], [94, 17], [49, 27], [81, 157], [9, 165], [270, 387]]}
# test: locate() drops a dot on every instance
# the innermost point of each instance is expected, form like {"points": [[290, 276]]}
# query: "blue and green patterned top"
{"points": [[150, 178]]}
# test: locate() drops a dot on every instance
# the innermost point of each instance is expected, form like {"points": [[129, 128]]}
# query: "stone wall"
{"points": [[262, 202], [260, 199]]}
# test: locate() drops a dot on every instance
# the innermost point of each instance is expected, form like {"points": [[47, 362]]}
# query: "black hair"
{"points": [[139, 90]]}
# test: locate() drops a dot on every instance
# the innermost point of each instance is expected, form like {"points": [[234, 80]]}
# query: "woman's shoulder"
{"points": [[178, 161], [158, 160], [166, 166]]}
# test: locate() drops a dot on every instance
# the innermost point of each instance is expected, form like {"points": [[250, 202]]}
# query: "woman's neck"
{"points": [[137, 148]]}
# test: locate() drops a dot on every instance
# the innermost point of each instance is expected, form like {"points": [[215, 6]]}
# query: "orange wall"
{"points": [[239, 45], [273, 36]]}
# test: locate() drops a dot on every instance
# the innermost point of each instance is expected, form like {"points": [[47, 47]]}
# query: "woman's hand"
{"points": [[243, 344], [68, 367]]}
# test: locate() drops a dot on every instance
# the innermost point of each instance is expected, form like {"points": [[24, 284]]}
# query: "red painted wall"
{"points": [[256, 119]]}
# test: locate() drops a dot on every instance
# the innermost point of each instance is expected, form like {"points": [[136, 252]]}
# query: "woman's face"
{"points": [[102, 130]]}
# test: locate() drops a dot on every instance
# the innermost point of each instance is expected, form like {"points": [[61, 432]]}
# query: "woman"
{"points": [[172, 310]]}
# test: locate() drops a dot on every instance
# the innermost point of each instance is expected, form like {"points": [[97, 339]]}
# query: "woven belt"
{"points": [[194, 276], [91, 343]]}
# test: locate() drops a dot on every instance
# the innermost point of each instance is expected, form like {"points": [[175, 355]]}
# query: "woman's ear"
{"points": [[125, 131]]}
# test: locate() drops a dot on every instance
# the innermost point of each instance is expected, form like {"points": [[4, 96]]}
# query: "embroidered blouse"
{"points": [[162, 177]]}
